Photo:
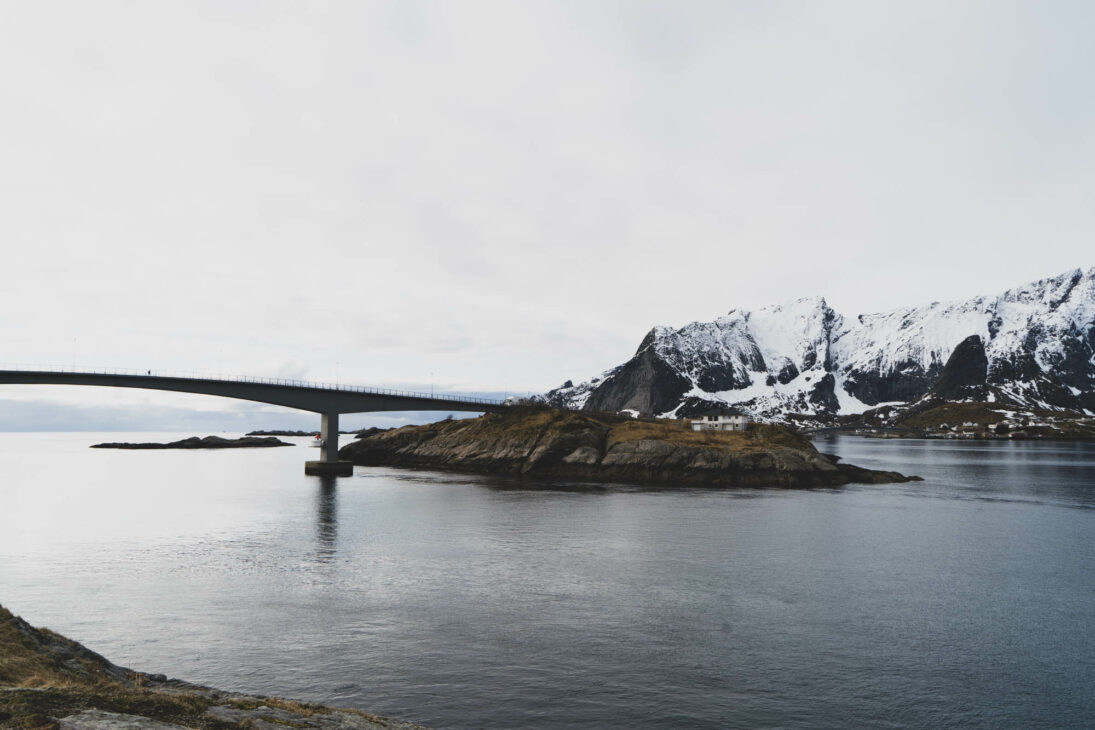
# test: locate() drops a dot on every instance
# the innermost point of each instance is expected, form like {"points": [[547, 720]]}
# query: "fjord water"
{"points": [[966, 600]]}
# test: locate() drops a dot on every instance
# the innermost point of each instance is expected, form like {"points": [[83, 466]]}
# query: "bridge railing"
{"points": [[256, 380]]}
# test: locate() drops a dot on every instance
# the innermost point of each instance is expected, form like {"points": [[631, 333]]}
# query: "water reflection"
{"points": [[1050, 472], [967, 597], [326, 519]]}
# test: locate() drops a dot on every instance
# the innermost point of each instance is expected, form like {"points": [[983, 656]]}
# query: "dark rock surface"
{"points": [[824, 393], [966, 371], [552, 444], [645, 383], [208, 442], [906, 381]]}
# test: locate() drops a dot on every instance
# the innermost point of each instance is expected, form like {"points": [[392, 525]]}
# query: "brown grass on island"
{"points": [[956, 413], [61, 677], [1065, 424], [531, 421], [758, 437]]}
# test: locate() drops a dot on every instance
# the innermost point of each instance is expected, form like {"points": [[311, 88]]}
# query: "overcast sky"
{"points": [[499, 196]]}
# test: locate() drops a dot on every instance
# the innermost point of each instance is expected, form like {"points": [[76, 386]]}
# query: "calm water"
{"points": [[967, 600]]}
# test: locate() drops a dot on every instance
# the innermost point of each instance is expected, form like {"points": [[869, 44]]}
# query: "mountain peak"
{"points": [[799, 305], [802, 357]]}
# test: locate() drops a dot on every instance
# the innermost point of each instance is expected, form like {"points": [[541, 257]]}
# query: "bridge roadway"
{"points": [[328, 399]]}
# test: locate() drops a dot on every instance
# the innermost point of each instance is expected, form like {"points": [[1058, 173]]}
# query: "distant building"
{"points": [[720, 419]]}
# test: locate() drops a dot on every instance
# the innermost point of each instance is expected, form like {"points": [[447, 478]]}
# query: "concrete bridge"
{"points": [[328, 399]]}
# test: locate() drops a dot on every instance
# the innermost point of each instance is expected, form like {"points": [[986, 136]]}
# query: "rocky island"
{"points": [[54, 683], [571, 445], [208, 442]]}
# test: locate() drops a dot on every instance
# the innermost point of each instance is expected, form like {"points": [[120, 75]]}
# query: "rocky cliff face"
{"points": [[965, 374], [646, 384], [568, 445], [1038, 343]]}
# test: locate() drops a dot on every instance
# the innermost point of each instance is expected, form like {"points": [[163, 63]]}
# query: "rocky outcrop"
{"points": [[906, 381], [49, 681], [551, 444], [645, 383], [208, 442], [966, 372]]}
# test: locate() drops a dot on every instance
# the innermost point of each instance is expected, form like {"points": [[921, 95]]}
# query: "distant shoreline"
{"points": [[922, 436], [194, 442]]}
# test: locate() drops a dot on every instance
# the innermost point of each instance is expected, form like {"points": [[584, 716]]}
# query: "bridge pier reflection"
{"points": [[326, 519]]}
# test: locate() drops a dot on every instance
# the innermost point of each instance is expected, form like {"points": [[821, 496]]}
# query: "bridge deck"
{"points": [[301, 395]]}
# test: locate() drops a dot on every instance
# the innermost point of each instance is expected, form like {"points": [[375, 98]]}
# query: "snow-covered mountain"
{"points": [[803, 357]]}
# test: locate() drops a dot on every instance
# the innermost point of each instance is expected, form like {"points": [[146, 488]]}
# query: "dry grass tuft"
{"points": [[759, 437], [955, 413]]}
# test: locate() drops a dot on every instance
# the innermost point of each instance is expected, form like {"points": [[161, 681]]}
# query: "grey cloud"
{"points": [[511, 194]]}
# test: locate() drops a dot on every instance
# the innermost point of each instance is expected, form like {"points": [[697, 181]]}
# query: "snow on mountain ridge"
{"points": [[924, 335], [802, 356], [796, 333]]}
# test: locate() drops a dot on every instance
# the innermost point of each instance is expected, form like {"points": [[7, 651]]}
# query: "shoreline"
{"points": [[907, 436], [50, 682]]}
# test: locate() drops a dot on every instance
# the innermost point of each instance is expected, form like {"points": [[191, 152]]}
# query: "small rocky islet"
{"points": [[552, 444], [206, 442]]}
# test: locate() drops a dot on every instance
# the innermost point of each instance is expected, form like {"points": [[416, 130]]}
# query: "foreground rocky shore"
{"points": [[54, 683], [570, 445]]}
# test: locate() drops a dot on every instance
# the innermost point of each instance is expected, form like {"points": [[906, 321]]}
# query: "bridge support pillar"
{"points": [[329, 464]]}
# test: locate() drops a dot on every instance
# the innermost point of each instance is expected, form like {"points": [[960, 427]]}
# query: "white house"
{"points": [[719, 419]]}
